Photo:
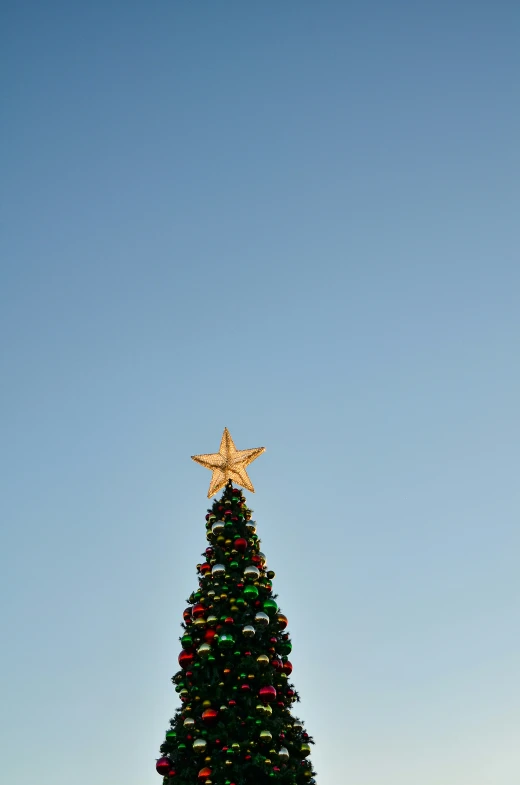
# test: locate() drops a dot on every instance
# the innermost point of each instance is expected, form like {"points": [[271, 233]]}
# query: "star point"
{"points": [[228, 464]]}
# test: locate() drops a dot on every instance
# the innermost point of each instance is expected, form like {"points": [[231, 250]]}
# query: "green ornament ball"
{"points": [[251, 593], [270, 606], [226, 640]]}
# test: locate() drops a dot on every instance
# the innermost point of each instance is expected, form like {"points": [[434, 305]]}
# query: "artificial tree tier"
{"points": [[235, 725]]}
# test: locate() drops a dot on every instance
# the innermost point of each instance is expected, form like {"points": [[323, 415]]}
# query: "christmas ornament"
{"points": [[248, 631], [218, 570], [240, 544], [228, 464], [225, 640], [204, 774], [209, 716], [185, 658], [251, 572], [189, 723], [251, 592], [262, 659], [199, 745], [163, 766], [267, 694], [283, 754], [266, 736], [270, 607], [262, 619], [282, 621]]}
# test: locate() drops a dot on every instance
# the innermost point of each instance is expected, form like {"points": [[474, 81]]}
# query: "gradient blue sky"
{"points": [[299, 220]]}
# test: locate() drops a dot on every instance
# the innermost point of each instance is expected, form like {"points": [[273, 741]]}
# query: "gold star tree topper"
{"points": [[228, 464]]}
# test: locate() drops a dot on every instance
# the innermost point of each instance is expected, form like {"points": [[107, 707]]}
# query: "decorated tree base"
{"points": [[235, 725]]}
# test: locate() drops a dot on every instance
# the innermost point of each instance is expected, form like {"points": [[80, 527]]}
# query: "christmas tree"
{"points": [[235, 725]]}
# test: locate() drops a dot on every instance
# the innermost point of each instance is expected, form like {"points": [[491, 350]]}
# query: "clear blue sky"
{"points": [[299, 220]]}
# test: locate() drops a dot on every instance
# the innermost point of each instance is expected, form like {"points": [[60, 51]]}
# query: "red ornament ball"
{"points": [[267, 694], [186, 658], [198, 610], [204, 773], [209, 635], [241, 544], [163, 766], [204, 568], [287, 667], [209, 716]]}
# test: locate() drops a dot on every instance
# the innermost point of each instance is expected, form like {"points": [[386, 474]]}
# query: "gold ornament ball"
{"points": [[212, 620], [206, 704], [266, 736], [228, 762], [268, 709], [235, 746], [199, 745], [204, 649], [262, 659], [305, 750], [189, 722]]}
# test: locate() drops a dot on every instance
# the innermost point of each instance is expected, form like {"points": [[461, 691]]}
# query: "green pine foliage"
{"points": [[235, 724]]}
